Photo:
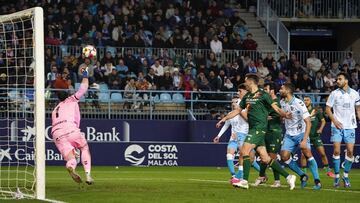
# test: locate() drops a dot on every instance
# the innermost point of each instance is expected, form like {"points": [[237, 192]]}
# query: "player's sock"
{"points": [[262, 170], [294, 167], [336, 161], [256, 165], [277, 167], [276, 175], [313, 168], [240, 173], [86, 159], [71, 163], [347, 164], [230, 163], [247, 166]]}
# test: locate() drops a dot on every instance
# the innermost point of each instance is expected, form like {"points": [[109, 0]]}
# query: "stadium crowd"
{"points": [[169, 24]]}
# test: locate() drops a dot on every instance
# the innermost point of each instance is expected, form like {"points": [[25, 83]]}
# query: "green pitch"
{"points": [[184, 184]]}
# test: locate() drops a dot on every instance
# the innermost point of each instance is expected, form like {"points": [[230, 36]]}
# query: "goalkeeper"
{"points": [[66, 132]]}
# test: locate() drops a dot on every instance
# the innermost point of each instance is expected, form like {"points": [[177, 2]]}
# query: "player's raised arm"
{"points": [[230, 115], [84, 84]]}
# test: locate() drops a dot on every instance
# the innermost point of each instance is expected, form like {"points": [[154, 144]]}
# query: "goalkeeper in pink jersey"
{"points": [[66, 132]]}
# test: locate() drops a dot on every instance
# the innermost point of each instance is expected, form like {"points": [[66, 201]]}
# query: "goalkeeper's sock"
{"points": [[86, 159]]}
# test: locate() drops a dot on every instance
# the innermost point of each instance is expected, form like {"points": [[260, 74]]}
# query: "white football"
{"points": [[89, 51]]}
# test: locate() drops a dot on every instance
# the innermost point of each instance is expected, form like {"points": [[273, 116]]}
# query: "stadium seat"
{"points": [[155, 98], [165, 98], [178, 98], [103, 87], [116, 97], [77, 86], [14, 95], [104, 97]]}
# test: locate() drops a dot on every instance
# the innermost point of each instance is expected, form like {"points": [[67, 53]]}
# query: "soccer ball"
{"points": [[89, 51]]}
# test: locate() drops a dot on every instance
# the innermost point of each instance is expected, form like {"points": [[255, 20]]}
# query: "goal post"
{"points": [[22, 105], [39, 102]]}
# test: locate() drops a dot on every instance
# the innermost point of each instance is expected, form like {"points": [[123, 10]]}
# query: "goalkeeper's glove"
{"points": [[85, 73]]}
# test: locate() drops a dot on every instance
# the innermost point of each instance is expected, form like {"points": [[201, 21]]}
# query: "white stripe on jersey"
{"points": [[296, 124], [343, 104]]}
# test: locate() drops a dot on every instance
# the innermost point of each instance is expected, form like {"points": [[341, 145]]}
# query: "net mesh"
{"points": [[17, 133]]}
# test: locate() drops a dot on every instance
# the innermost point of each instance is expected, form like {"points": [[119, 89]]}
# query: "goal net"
{"points": [[22, 109]]}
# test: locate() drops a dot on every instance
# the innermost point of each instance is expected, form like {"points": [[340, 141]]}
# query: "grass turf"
{"points": [[184, 184]]}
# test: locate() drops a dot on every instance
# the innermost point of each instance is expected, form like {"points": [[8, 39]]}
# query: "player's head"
{"points": [[286, 89], [235, 102], [307, 101], [62, 94], [251, 80], [270, 88], [342, 80], [242, 90]]}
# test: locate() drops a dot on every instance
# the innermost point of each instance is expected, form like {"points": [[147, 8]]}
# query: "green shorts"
{"points": [[256, 137], [316, 140], [273, 139]]}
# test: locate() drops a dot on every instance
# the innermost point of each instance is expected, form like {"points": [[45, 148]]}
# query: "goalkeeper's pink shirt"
{"points": [[66, 115]]}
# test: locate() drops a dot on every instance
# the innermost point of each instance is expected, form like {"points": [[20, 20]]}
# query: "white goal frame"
{"points": [[39, 82]]}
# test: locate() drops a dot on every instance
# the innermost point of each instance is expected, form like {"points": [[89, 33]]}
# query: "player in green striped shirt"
{"points": [[317, 125], [257, 104]]}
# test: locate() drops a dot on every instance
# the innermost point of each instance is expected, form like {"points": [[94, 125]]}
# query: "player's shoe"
{"points": [[234, 180], [317, 186], [330, 174], [346, 182], [74, 175], [276, 184], [260, 180], [291, 181], [241, 184], [304, 178], [89, 180], [336, 182]]}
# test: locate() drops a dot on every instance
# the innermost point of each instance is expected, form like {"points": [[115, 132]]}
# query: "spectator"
{"points": [[213, 115], [51, 76], [99, 72], [313, 63], [319, 81], [215, 82], [51, 40], [354, 81], [262, 70], [249, 43], [130, 94], [87, 64], [281, 79], [63, 80], [268, 60], [228, 85], [334, 71], [170, 66], [152, 78], [122, 69], [166, 81], [349, 61], [216, 45], [114, 81], [177, 80], [306, 84], [328, 78], [158, 68], [251, 68]]}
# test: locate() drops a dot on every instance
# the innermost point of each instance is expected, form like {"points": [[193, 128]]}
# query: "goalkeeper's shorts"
{"points": [[68, 140]]}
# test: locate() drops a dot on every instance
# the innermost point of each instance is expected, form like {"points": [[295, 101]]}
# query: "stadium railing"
{"points": [[180, 53], [342, 9], [273, 25], [114, 104]]}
